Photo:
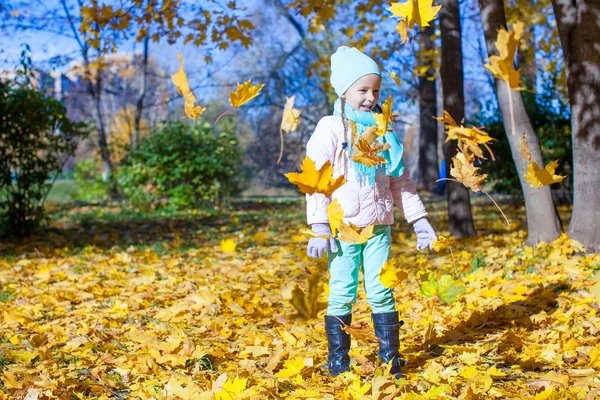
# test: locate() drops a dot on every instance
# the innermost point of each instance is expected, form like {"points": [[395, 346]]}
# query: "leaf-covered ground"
{"points": [[107, 303]]}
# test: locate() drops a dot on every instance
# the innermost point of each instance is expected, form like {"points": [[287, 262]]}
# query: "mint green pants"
{"points": [[345, 265]]}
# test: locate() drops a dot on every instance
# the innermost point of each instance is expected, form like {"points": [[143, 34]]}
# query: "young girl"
{"points": [[366, 199]]}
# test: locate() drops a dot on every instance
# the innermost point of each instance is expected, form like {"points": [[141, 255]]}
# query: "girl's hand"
{"points": [[425, 234], [319, 246]]}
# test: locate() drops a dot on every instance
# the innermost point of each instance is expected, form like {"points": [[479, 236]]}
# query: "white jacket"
{"points": [[362, 205]]}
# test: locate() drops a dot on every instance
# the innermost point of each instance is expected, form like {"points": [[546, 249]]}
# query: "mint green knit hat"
{"points": [[349, 65]]}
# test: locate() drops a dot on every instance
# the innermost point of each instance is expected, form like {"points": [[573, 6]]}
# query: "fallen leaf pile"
{"points": [[111, 304]]}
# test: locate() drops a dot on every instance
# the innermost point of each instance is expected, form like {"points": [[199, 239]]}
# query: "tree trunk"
{"points": [[428, 136], [579, 32], [460, 216], [543, 223], [528, 68], [100, 128], [139, 107]]}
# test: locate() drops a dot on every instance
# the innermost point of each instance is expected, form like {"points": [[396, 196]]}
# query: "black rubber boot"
{"points": [[387, 329], [338, 343]]}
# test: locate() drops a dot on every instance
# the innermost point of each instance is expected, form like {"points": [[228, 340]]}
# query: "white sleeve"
{"points": [[406, 198], [320, 148]]}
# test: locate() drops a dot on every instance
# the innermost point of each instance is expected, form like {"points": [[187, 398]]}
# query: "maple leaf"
{"points": [[311, 180], [466, 173], [353, 234], [384, 119], [183, 387], [444, 288], [180, 81], [291, 116], [395, 77], [538, 177], [364, 333], [524, 148], [289, 122], [244, 93], [502, 66], [443, 243], [420, 12], [231, 389], [291, 368], [390, 276], [308, 305], [447, 119], [335, 214], [469, 139], [228, 245], [366, 154]]}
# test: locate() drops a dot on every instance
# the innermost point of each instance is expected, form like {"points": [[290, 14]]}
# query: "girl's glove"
{"points": [[319, 246], [425, 234]]}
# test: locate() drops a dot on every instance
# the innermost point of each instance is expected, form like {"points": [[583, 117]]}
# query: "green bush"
{"points": [[36, 138], [89, 182], [188, 165]]}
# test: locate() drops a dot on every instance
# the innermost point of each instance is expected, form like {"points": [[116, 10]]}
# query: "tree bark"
{"points": [[460, 216], [100, 128], [579, 32], [428, 136], [543, 223], [139, 107]]}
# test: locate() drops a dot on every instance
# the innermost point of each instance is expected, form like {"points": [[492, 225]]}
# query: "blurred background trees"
{"points": [[111, 63]]}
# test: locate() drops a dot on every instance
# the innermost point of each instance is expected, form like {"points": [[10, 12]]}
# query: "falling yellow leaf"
{"points": [[180, 81], [447, 119], [420, 12], [538, 177], [384, 119], [502, 66], [395, 77], [311, 180], [289, 122], [366, 154], [466, 173], [469, 139], [524, 149], [244, 93], [353, 234], [391, 276], [228, 245], [307, 304], [335, 215], [291, 116]]}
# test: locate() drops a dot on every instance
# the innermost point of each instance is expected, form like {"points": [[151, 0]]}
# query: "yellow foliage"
{"points": [[244, 93], [291, 116], [466, 173], [352, 234], [384, 119], [180, 81], [311, 180], [390, 276], [538, 177], [502, 66], [228, 245], [335, 215], [413, 12]]}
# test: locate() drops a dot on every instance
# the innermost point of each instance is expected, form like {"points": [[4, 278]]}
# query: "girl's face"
{"points": [[363, 95]]}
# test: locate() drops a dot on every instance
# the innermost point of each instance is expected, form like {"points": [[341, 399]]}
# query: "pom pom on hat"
{"points": [[349, 65]]}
